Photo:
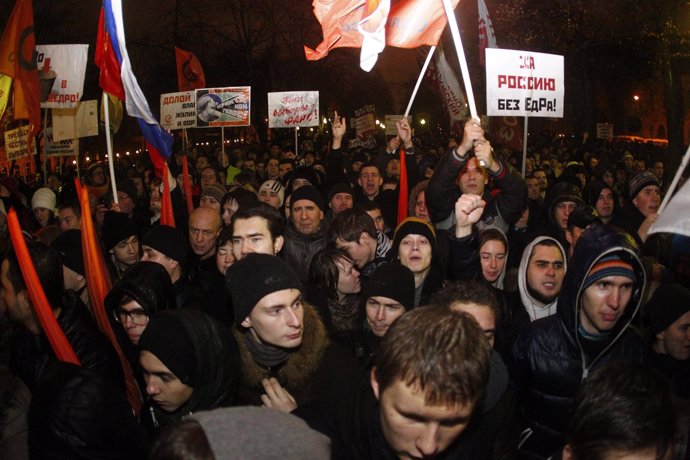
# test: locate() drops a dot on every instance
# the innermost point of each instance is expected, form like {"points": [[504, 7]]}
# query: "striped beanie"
{"points": [[610, 265]]}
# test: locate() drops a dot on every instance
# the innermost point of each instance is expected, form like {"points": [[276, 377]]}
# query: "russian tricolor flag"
{"points": [[118, 79]]}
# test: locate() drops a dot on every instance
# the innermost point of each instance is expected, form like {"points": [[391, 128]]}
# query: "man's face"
{"points": [[545, 272], [381, 313], [306, 216], [604, 302], [276, 151], [67, 220], [151, 255], [483, 314], [166, 390], [348, 277], [269, 196], [249, 164], [361, 251], [133, 327], [420, 209], [561, 212], [648, 200], [376, 215], [393, 167], [542, 180], [370, 180], [272, 169], [492, 256], [155, 201], [224, 258], [277, 319], [98, 177], [9, 295], [340, 202], [675, 339], [208, 177], [125, 202], [472, 178], [283, 169], [252, 235], [658, 169], [204, 225], [533, 189], [414, 429], [299, 182], [415, 253], [260, 168], [127, 251], [605, 203]]}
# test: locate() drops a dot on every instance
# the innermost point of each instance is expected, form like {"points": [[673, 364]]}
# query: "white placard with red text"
{"points": [[293, 108], [524, 83]]}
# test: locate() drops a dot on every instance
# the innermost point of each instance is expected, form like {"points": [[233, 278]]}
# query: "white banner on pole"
{"points": [[61, 70], [293, 108], [178, 110], [524, 83]]}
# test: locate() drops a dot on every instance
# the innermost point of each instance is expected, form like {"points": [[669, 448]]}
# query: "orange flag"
{"points": [[187, 185], [17, 50], [402, 188], [99, 284], [190, 75], [56, 337], [167, 215], [411, 23]]}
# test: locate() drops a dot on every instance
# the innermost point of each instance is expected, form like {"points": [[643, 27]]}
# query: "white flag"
{"points": [[675, 218], [487, 38], [373, 30]]}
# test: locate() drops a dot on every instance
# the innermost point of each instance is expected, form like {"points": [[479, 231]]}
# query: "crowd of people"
{"points": [[301, 308]]}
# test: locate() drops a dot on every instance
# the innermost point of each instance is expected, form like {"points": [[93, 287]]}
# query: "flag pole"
{"points": [[419, 80], [45, 147], [676, 178], [455, 32], [222, 144], [109, 146], [524, 148], [296, 140]]}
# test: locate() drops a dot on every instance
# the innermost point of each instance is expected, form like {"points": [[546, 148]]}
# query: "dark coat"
{"points": [[550, 358], [312, 369], [299, 249]]}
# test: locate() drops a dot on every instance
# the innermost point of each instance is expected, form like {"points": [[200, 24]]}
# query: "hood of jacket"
{"points": [[528, 300], [595, 243]]}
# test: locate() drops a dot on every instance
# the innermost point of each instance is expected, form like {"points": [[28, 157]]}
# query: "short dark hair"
{"points": [[583, 216], [367, 205], [624, 407], [48, 268], [492, 234], [468, 291], [275, 223], [350, 224], [224, 237], [323, 270], [370, 164], [73, 204], [441, 352], [185, 440], [242, 196]]}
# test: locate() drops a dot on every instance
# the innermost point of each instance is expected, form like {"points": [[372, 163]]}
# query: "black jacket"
{"points": [[501, 210], [550, 358]]}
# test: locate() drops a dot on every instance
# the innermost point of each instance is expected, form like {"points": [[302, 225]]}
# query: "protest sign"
{"points": [[81, 121], [217, 107], [17, 143], [293, 108], [605, 131], [523, 83], [61, 70], [365, 120], [178, 110], [389, 121], [64, 148]]}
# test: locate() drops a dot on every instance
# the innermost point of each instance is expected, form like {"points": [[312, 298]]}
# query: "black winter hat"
{"points": [[127, 186], [412, 226], [341, 187], [641, 180], [668, 303], [117, 226], [307, 192], [393, 281], [167, 339], [254, 277], [169, 241], [563, 191], [68, 246]]}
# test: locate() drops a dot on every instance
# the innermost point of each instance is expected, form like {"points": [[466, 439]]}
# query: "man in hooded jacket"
{"points": [[601, 294]]}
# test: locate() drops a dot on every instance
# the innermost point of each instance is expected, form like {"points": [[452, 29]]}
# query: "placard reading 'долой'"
{"points": [[524, 83]]}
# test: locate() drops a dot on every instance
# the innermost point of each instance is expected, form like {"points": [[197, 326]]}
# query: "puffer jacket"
{"points": [[501, 211], [549, 361]]}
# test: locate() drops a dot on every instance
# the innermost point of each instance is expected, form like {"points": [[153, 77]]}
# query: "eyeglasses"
{"points": [[138, 317]]}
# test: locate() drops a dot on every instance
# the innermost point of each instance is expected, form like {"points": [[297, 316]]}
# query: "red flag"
{"points": [[509, 133], [17, 59], [110, 79], [56, 337], [190, 74], [187, 185], [167, 215], [411, 23], [99, 284], [402, 188]]}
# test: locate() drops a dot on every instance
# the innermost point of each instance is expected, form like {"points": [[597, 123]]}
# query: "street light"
{"points": [[422, 122]]}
